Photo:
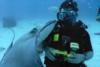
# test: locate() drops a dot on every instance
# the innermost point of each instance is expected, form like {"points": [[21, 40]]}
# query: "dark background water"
{"points": [[23, 9]]}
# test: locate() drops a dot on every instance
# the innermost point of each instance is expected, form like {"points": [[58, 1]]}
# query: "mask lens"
{"points": [[67, 15]]}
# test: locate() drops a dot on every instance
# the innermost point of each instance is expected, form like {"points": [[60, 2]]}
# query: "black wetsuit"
{"points": [[76, 33]]}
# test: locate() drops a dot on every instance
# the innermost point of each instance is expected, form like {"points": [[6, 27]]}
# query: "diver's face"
{"points": [[67, 15]]}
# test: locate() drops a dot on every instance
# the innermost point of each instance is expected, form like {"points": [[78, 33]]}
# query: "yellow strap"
{"points": [[63, 53], [58, 52]]}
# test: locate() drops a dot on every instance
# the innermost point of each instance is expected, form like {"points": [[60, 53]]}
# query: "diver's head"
{"points": [[67, 15], [68, 0]]}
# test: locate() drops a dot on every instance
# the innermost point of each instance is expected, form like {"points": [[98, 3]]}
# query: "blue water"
{"points": [[35, 13]]}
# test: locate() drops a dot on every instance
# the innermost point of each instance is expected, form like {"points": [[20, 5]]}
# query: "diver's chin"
{"points": [[68, 20]]}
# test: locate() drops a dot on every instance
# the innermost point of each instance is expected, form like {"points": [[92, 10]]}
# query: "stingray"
{"points": [[23, 53], [9, 22], [26, 50]]}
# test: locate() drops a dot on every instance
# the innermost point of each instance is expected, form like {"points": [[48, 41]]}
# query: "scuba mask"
{"points": [[67, 15]]}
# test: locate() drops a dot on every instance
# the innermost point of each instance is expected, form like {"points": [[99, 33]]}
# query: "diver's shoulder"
{"points": [[81, 24]]}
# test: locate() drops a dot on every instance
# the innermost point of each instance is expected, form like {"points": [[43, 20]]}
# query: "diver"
{"points": [[65, 41], [98, 15]]}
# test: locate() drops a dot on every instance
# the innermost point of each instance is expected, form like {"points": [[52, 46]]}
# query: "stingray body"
{"points": [[9, 22], [25, 51], [22, 53]]}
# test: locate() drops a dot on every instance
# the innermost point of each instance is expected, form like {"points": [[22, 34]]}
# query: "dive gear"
{"points": [[56, 37]]}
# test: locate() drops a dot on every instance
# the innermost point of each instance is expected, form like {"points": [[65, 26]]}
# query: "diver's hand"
{"points": [[64, 54], [75, 58]]}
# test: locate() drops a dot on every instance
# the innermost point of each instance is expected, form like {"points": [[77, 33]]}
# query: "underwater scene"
{"points": [[25, 25]]}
